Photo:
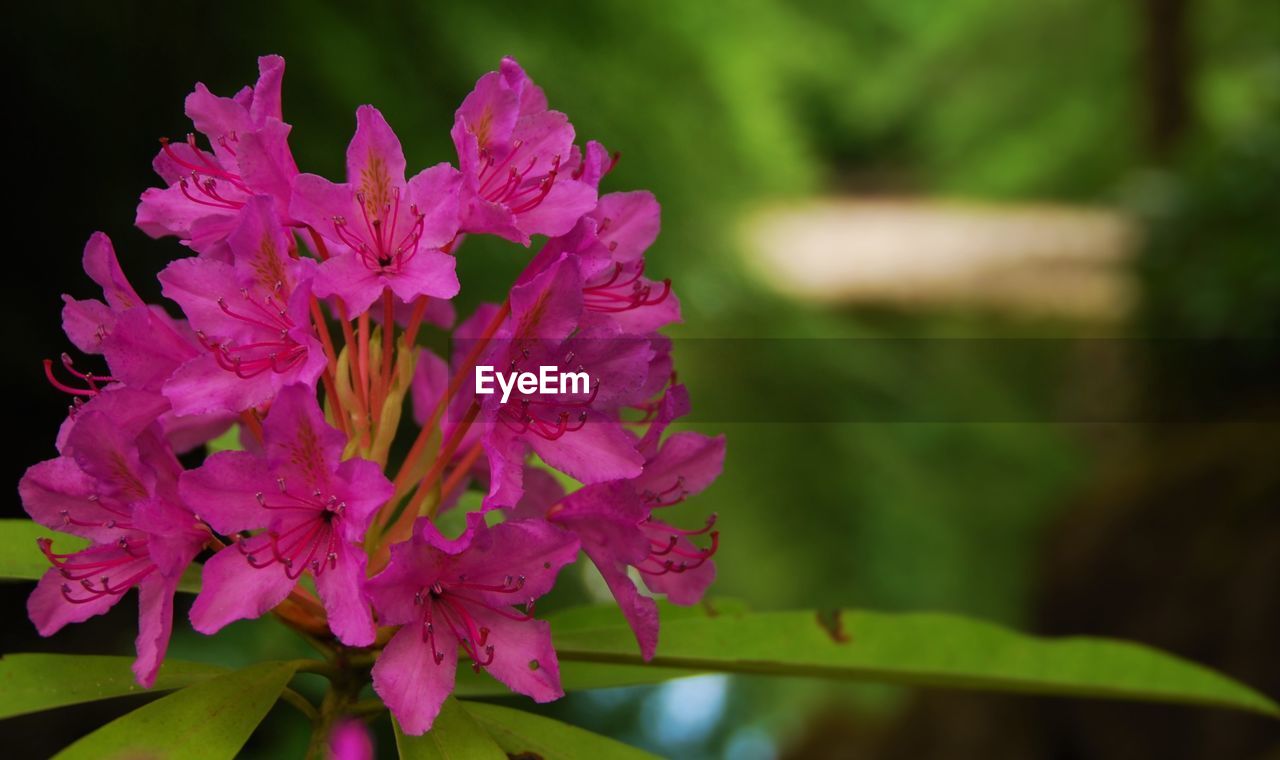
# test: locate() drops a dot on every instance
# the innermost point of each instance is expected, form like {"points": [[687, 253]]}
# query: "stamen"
{"points": [[91, 380], [310, 541]]}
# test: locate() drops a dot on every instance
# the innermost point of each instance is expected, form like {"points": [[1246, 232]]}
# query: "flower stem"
{"points": [[420, 443], [388, 333], [410, 336], [300, 702], [345, 683], [460, 471]]}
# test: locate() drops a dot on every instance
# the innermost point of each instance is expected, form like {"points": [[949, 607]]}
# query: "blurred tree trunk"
{"points": [[1167, 69]]}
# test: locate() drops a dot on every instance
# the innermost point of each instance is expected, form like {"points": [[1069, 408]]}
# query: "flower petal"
{"points": [[598, 451], [345, 602], [523, 657], [49, 610], [223, 491], [375, 160], [232, 589], [410, 681], [155, 623]]}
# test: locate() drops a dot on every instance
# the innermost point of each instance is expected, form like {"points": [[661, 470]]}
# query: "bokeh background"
{"points": [[1017, 265]]}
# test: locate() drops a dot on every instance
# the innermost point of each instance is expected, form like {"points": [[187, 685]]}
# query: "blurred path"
{"points": [[1040, 259]]}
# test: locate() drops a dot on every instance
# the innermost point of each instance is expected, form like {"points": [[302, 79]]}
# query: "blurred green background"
{"points": [[1162, 114]]}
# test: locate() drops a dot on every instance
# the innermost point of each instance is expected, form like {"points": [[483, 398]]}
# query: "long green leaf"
{"points": [[454, 736], [34, 682], [21, 560], [208, 721], [922, 649], [522, 734]]}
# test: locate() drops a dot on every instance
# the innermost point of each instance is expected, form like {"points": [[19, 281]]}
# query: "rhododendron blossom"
{"points": [[297, 320], [247, 155]]}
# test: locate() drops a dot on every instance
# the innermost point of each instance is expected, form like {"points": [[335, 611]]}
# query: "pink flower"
{"points": [[142, 344], [251, 315], [313, 509], [387, 232], [609, 244], [615, 523], [116, 485], [446, 594], [250, 156], [522, 174], [350, 739], [578, 434]]}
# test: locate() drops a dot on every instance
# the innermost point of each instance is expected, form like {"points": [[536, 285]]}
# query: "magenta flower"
{"points": [[615, 522], [313, 510], [387, 232], [116, 485], [450, 594], [250, 156], [609, 244], [350, 739], [578, 434], [281, 329], [250, 314], [142, 344], [513, 154]]}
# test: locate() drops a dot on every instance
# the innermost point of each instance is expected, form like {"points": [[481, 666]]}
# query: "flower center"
{"points": [[376, 240], [307, 538]]}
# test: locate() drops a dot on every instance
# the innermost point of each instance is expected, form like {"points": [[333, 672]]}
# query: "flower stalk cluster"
{"points": [[301, 306]]}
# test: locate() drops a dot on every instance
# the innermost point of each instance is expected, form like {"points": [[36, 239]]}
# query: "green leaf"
{"points": [[21, 559], [228, 441], [454, 736], [34, 682], [592, 616], [923, 649], [212, 719], [521, 734]]}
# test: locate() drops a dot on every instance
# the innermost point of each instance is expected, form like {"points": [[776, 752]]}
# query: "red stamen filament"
{"points": [[672, 546], [519, 191], [452, 607], [612, 296], [91, 380], [305, 536], [377, 246], [133, 556], [247, 360]]}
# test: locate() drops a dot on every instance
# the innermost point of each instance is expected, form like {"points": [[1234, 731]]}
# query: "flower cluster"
{"points": [[301, 306]]}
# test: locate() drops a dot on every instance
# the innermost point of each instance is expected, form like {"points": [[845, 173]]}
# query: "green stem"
{"points": [[302, 703], [347, 674], [367, 707], [323, 724], [327, 669]]}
